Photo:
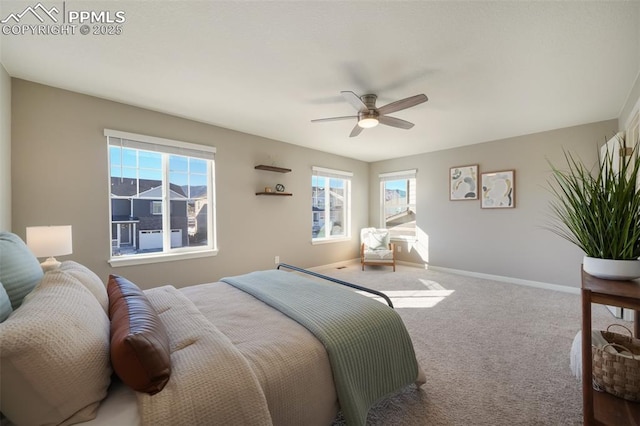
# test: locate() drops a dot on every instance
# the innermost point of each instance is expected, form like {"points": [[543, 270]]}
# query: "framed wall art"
{"points": [[463, 183], [498, 190]]}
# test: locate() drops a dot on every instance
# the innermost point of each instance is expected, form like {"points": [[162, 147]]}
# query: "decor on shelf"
{"points": [[600, 211], [498, 190], [279, 187], [463, 183], [50, 241], [611, 269], [601, 407], [616, 364]]}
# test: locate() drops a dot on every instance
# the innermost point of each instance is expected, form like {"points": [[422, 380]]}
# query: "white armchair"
{"points": [[376, 248]]}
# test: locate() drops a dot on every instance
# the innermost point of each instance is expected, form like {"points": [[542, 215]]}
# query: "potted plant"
{"points": [[599, 211]]}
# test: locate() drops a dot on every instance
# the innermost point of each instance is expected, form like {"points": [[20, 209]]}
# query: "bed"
{"points": [[268, 347]]}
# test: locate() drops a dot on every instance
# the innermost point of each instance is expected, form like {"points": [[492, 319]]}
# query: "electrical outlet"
{"points": [[399, 249], [277, 259]]}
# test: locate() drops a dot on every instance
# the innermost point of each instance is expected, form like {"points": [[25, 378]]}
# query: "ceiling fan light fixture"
{"points": [[368, 122], [370, 116]]}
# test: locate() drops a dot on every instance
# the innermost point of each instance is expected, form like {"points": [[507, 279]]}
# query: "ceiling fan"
{"points": [[369, 116]]}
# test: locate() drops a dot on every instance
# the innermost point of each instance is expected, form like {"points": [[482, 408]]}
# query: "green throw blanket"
{"points": [[369, 349]]}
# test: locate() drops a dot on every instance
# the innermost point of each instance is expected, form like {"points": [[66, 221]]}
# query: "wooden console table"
{"points": [[601, 408]]}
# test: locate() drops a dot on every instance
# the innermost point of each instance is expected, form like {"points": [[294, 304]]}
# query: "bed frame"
{"points": [[337, 281]]}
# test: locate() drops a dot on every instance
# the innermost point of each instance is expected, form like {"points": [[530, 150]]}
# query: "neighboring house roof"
{"points": [[126, 187], [156, 194], [403, 217], [198, 191]]}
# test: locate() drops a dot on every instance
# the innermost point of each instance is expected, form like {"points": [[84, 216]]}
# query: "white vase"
{"points": [[610, 269]]}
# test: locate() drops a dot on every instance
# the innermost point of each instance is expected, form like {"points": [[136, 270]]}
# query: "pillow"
{"points": [[20, 270], [90, 280], [55, 355], [139, 342], [5, 304], [378, 240]]}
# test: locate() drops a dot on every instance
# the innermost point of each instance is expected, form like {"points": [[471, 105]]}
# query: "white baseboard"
{"points": [[335, 265], [511, 280], [415, 265], [357, 261]]}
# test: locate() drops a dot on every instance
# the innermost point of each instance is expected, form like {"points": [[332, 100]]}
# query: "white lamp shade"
{"points": [[46, 241]]}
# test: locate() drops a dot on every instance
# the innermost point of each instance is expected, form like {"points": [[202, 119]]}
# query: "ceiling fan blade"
{"points": [[348, 117], [354, 100], [356, 131], [394, 122], [402, 104]]}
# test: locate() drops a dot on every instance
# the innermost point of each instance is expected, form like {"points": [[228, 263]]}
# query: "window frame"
{"points": [[393, 176], [154, 208], [346, 176], [166, 147]]}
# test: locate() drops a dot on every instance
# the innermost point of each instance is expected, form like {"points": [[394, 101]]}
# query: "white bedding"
{"points": [[119, 408], [290, 364]]}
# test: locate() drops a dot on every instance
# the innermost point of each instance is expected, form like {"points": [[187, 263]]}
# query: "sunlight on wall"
{"points": [[415, 298], [421, 245]]}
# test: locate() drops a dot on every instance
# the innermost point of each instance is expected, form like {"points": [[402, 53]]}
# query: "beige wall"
{"points": [[60, 177], [505, 242], [5, 150], [630, 108]]}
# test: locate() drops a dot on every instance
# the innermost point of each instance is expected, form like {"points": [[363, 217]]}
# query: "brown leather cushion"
{"points": [[139, 342]]}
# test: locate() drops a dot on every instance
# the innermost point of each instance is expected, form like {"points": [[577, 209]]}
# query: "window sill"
{"points": [[330, 240], [411, 240], [142, 259]]}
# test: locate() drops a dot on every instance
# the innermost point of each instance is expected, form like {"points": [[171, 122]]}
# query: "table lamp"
{"points": [[49, 241]]}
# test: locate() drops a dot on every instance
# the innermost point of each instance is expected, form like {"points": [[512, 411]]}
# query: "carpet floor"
{"points": [[494, 353]]}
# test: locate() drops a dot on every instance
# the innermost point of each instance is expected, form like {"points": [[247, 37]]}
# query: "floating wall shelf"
{"points": [[277, 170], [272, 169], [275, 193]]}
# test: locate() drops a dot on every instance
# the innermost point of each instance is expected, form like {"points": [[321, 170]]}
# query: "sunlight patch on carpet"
{"points": [[413, 298]]}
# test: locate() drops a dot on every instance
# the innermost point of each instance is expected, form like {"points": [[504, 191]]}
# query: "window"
{"points": [[156, 207], [398, 195], [161, 198], [330, 204]]}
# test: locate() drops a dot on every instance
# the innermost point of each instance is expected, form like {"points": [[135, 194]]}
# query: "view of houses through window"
{"points": [[160, 196], [399, 203], [330, 204]]}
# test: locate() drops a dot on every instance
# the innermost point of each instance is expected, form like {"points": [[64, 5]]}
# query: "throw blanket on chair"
{"points": [[369, 348]]}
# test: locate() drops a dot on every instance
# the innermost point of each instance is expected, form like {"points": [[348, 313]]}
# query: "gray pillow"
{"points": [[20, 270], [89, 279], [55, 355], [5, 304]]}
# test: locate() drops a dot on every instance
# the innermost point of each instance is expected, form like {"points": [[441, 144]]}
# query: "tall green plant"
{"points": [[598, 211]]}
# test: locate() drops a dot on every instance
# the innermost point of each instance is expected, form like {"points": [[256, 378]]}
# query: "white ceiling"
{"points": [[491, 70]]}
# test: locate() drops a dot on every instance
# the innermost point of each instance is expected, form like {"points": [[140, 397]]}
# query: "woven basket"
{"points": [[614, 373]]}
